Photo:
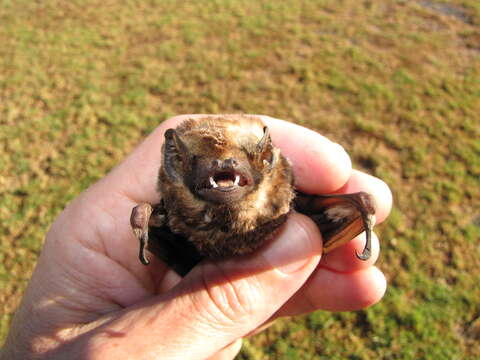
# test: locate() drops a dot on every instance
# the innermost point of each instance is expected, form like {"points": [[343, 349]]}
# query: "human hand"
{"points": [[90, 297]]}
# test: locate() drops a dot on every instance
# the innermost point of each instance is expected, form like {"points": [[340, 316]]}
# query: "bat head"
{"points": [[224, 186], [219, 164]]}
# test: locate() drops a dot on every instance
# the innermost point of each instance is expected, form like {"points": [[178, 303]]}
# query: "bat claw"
{"points": [[367, 250], [143, 258], [143, 244], [365, 255]]}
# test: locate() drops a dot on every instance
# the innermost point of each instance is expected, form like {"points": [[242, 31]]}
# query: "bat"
{"points": [[225, 188]]}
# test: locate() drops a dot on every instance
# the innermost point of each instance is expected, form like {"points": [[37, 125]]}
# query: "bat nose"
{"points": [[229, 164], [226, 164]]}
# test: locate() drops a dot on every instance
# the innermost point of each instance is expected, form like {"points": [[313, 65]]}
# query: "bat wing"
{"points": [[172, 249], [340, 217], [149, 225]]}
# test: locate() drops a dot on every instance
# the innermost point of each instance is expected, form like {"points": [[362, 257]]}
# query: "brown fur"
{"points": [[219, 230]]}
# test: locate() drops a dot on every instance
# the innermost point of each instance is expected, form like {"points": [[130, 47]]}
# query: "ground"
{"points": [[397, 83]]}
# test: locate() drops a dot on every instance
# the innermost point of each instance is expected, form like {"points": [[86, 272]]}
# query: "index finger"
{"points": [[320, 166]]}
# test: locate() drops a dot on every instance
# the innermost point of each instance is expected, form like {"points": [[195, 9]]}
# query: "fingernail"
{"points": [[292, 249]]}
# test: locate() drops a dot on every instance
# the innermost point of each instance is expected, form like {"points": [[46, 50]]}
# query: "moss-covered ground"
{"points": [[396, 82]]}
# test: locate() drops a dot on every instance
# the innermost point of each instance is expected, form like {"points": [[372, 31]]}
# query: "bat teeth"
{"points": [[212, 182], [221, 180]]}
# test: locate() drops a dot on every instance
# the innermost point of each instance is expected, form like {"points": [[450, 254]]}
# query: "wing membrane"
{"points": [[340, 217]]}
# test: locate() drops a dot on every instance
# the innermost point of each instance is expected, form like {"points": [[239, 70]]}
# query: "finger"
{"points": [[225, 300], [360, 181], [320, 165], [333, 291]]}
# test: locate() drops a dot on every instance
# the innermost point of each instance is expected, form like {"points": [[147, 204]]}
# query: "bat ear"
{"points": [[264, 149], [265, 141], [175, 150]]}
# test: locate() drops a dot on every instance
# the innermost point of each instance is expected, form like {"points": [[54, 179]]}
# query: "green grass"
{"points": [[396, 82]]}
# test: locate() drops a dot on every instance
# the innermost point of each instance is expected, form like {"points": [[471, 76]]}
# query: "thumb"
{"points": [[217, 303]]}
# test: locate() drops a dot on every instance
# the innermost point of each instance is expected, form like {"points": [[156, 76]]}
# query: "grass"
{"points": [[396, 82]]}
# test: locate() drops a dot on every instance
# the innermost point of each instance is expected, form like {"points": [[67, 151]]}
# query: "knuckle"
{"points": [[229, 301]]}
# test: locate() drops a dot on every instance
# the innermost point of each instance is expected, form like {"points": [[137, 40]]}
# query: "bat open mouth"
{"points": [[226, 180], [223, 186]]}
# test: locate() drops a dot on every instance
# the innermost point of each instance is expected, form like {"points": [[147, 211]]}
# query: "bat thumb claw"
{"points": [[143, 258]]}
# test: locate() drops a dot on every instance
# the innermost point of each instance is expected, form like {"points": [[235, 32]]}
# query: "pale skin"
{"points": [[91, 298]]}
